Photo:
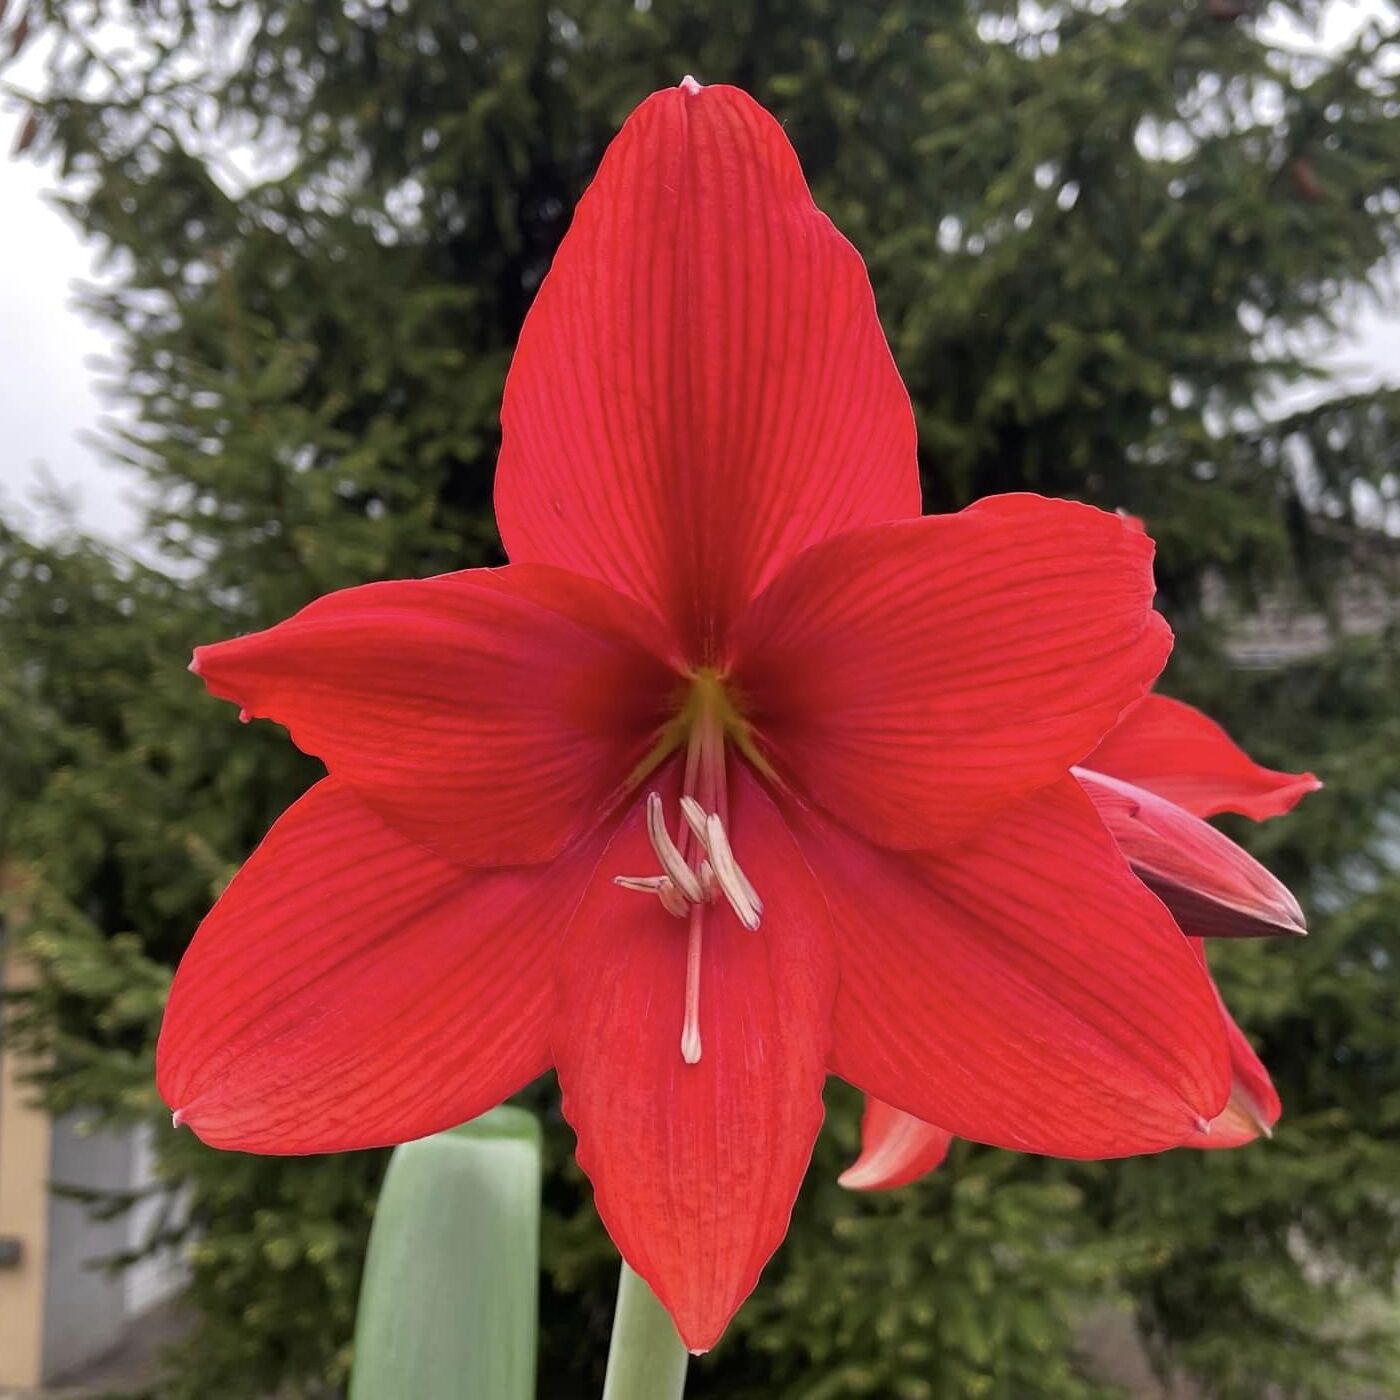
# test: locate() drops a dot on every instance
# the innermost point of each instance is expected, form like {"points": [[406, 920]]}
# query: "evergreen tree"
{"points": [[1102, 240]]}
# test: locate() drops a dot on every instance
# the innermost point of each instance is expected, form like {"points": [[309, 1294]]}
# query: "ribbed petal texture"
{"points": [[913, 678], [351, 989], [695, 1167], [491, 715], [1024, 991], [701, 388]]}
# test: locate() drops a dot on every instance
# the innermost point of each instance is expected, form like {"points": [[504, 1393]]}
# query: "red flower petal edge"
{"points": [[351, 989], [913, 678], [1174, 750], [490, 715], [1024, 991]]}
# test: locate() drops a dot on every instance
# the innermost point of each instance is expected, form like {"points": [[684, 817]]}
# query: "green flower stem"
{"points": [[647, 1360]]}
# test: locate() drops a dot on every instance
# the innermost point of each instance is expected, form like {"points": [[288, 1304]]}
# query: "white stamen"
{"points": [[685, 889], [672, 900], [694, 814], [699, 823], [643, 884], [668, 853], [732, 881]]}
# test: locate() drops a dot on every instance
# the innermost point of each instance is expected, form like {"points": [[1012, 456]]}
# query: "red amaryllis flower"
{"points": [[740, 773], [1161, 770]]}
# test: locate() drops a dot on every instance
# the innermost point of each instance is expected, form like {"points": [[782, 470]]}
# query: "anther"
{"points": [[672, 900], [723, 851], [668, 853], [724, 869], [684, 886], [695, 816], [684, 889]]}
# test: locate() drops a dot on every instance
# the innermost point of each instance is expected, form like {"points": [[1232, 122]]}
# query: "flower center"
{"points": [[698, 864]]}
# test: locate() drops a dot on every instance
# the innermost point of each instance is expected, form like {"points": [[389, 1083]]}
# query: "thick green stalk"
{"points": [[449, 1301], [647, 1360]]}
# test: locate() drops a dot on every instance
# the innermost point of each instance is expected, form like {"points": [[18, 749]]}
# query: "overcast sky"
{"points": [[49, 402]]}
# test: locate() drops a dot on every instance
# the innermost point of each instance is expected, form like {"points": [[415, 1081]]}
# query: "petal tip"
{"points": [[688, 85], [859, 1176]]}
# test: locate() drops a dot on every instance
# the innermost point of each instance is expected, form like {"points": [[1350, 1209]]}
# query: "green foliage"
{"points": [[1098, 241]]}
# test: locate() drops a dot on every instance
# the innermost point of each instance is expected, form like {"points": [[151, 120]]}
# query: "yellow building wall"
{"points": [[24, 1170]]}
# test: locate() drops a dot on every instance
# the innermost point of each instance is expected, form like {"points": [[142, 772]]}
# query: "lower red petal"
{"points": [[1024, 990], [1182, 755], [695, 1167], [352, 990], [895, 1149]]}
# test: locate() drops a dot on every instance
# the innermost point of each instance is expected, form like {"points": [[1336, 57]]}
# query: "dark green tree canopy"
{"points": [[1105, 241]]}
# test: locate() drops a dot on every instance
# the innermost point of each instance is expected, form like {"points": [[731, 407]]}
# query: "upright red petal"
{"points": [[913, 677], [895, 1149], [1025, 990], [491, 715], [701, 388], [351, 989], [1213, 888], [1180, 754], [695, 1167]]}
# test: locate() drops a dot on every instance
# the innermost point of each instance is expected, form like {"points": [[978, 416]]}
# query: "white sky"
{"points": [[49, 401]]}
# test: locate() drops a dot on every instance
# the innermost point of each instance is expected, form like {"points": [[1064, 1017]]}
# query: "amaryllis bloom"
{"points": [[739, 774], [1154, 779]]}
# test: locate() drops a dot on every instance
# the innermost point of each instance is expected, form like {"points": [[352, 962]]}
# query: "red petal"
{"points": [[1253, 1106], [695, 1167], [701, 388], [352, 990], [1213, 888], [914, 677], [1025, 990], [895, 1149], [1180, 754], [491, 715]]}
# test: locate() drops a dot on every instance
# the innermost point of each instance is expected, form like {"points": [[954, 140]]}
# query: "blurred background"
{"points": [[1141, 254]]}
